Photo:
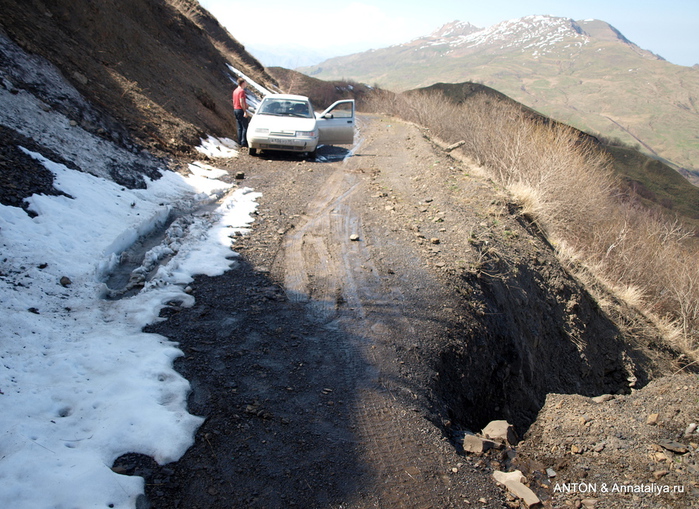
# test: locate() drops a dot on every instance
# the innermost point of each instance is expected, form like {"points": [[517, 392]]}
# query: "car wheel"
{"points": [[252, 151]]}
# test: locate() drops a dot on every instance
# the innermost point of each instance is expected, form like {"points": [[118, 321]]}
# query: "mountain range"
{"points": [[583, 73]]}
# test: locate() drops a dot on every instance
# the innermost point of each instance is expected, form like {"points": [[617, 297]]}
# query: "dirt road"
{"points": [[381, 304], [307, 358]]}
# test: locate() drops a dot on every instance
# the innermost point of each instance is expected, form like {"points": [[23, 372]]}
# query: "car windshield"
{"points": [[286, 108]]}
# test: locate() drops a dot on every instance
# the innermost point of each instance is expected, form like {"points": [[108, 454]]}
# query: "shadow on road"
{"points": [[276, 389]]}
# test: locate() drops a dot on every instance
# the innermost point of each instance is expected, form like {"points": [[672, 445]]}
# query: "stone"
{"points": [[660, 456], [500, 431], [503, 477], [477, 445], [240, 175], [513, 482], [652, 419], [454, 146], [673, 446], [354, 237], [602, 399], [65, 281], [690, 429], [80, 78]]}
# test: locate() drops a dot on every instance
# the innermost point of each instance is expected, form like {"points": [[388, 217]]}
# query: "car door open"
{"points": [[336, 124]]}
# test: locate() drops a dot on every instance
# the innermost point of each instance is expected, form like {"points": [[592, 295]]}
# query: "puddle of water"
{"points": [[139, 263], [134, 270]]}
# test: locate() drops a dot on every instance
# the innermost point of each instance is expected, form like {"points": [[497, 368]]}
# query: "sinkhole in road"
{"points": [[535, 331]]}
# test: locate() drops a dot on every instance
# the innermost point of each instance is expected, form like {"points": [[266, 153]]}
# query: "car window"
{"points": [[286, 108], [342, 110]]}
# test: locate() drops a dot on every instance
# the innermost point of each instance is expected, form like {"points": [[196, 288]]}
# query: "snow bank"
{"points": [[80, 384]]}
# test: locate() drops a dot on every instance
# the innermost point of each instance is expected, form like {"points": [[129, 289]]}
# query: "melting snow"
{"points": [[80, 383]]}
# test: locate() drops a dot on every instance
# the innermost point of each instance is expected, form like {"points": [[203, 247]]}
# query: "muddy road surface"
{"points": [[306, 358], [321, 361]]}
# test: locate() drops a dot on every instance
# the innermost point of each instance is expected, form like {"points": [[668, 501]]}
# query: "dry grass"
{"points": [[565, 184], [189, 8]]}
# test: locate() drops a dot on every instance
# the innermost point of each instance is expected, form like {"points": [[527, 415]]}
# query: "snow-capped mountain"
{"points": [[536, 35], [455, 29], [584, 73]]}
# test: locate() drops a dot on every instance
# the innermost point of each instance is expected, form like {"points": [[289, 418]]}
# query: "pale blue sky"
{"points": [[668, 28]]}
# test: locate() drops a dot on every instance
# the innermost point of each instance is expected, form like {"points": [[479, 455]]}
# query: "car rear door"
{"points": [[336, 124]]}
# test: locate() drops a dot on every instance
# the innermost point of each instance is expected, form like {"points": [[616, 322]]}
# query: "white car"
{"points": [[288, 123]]}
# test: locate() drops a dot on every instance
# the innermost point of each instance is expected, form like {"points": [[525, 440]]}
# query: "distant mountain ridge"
{"points": [[584, 73], [539, 32]]}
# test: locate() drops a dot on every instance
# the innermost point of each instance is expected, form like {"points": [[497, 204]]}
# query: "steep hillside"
{"points": [[158, 70], [583, 73]]}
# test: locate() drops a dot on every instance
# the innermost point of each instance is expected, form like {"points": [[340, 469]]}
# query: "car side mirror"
{"points": [[328, 116]]}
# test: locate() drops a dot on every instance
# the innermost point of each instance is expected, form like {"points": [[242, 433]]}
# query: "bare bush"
{"points": [[566, 185]]}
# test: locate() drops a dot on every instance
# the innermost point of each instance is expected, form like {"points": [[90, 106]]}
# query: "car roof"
{"points": [[288, 96]]}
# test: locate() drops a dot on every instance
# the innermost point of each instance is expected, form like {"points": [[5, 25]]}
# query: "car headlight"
{"points": [[305, 134], [262, 130]]}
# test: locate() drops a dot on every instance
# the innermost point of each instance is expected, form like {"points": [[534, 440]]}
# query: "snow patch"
{"points": [[81, 384], [213, 147]]}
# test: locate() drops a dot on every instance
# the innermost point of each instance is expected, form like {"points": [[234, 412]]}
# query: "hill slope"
{"points": [[158, 68], [654, 182], [583, 73]]}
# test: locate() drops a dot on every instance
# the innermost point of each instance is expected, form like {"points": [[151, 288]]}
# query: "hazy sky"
{"points": [[669, 28]]}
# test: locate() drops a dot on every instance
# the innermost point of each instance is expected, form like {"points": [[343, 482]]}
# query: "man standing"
{"points": [[240, 108]]}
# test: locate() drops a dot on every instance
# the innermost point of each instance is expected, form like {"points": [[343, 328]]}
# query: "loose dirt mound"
{"points": [[638, 450]]}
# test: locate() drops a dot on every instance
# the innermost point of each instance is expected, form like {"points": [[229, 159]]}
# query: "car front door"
{"points": [[336, 124]]}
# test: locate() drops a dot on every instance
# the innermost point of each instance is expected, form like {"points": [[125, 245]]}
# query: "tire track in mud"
{"points": [[337, 280], [312, 266]]}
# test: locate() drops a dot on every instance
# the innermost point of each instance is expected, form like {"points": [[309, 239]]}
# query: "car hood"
{"points": [[282, 123]]}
